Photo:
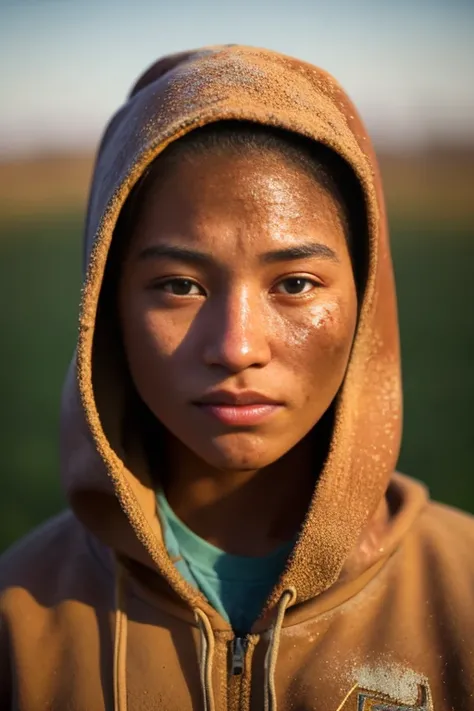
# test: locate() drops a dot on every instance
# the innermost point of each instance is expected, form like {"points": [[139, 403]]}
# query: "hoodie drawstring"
{"points": [[270, 702], [120, 640], [208, 646], [206, 657], [120, 648]]}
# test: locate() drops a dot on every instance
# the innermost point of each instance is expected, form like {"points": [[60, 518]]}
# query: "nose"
{"points": [[237, 335]]}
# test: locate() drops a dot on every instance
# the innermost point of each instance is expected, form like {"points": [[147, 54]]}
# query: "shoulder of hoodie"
{"points": [[441, 545], [54, 562], [447, 528]]}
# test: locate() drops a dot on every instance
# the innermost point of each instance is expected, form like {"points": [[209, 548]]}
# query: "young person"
{"points": [[237, 537]]}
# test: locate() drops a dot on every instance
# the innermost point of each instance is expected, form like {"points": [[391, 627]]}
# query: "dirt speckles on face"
{"points": [[325, 315]]}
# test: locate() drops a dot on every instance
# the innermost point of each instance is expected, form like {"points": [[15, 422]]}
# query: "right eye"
{"points": [[179, 287]]}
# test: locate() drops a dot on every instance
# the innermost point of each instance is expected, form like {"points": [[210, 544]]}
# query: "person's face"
{"points": [[238, 278]]}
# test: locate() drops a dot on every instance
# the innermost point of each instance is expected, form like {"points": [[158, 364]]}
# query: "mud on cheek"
{"points": [[322, 326]]}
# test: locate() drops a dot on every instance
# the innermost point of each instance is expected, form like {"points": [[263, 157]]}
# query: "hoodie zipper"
{"points": [[238, 650]]}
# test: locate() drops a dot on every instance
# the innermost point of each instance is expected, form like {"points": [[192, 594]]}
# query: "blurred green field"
{"points": [[40, 283]]}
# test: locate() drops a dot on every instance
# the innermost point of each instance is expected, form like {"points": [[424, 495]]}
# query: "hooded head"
{"points": [[235, 241], [232, 279]]}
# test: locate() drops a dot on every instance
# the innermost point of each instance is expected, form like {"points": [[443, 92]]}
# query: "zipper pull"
{"points": [[239, 647]]}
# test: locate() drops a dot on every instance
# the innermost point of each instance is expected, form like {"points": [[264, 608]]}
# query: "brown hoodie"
{"points": [[374, 610]]}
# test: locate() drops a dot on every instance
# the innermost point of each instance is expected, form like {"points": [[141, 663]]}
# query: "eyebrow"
{"points": [[163, 251], [300, 251], [182, 254]]}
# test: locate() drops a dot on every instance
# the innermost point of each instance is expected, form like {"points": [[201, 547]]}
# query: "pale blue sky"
{"points": [[67, 64]]}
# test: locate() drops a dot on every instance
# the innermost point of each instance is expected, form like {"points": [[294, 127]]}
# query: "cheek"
{"points": [[150, 337], [152, 341], [322, 329], [317, 348]]}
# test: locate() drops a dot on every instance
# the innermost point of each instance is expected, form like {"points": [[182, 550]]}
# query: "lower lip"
{"points": [[241, 414]]}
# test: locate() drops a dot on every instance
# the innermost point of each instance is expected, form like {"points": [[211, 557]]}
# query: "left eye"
{"points": [[295, 286], [180, 287]]}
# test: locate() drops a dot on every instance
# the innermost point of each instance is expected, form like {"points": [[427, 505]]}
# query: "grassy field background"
{"points": [[432, 222]]}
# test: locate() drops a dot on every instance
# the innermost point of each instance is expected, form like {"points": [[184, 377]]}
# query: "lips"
{"points": [[239, 408]]}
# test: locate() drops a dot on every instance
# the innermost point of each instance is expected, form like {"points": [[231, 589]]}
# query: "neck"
{"points": [[242, 512]]}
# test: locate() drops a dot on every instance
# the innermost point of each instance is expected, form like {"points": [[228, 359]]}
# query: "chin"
{"points": [[239, 452]]}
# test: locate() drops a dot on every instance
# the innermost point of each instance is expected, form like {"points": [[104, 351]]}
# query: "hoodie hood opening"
{"points": [[137, 418]]}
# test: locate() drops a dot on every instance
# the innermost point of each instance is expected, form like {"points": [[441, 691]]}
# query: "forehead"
{"points": [[238, 202]]}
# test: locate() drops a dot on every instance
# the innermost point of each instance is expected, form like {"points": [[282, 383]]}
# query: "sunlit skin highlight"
{"points": [[238, 277]]}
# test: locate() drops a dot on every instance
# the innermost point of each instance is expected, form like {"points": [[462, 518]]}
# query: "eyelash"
{"points": [[313, 282], [160, 285]]}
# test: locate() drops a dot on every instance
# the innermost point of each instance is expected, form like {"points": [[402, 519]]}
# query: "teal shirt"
{"points": [[236, 586]]}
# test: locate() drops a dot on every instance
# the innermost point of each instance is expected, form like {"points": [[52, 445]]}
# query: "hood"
{"points": [[104, 473]]}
